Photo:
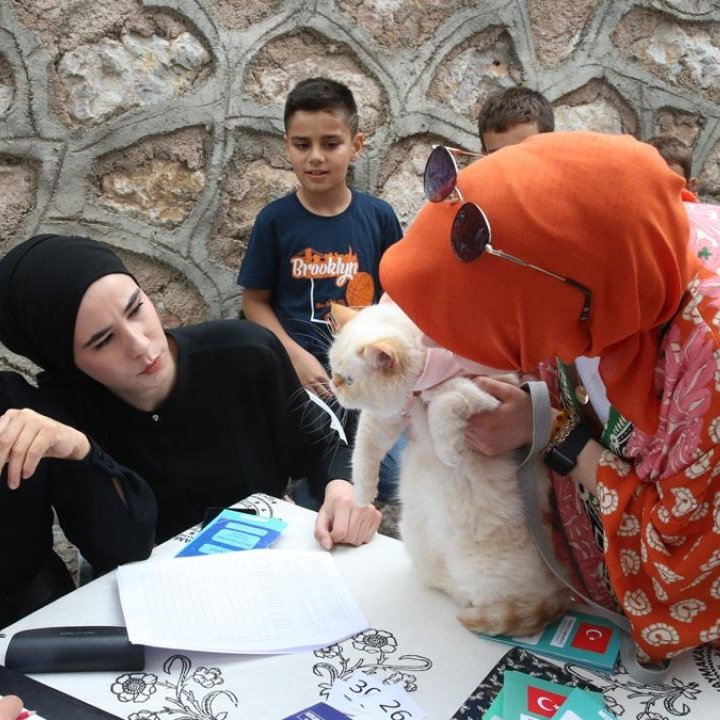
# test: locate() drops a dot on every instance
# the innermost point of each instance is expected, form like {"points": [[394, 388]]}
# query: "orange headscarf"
{"points": [[603, 210]]}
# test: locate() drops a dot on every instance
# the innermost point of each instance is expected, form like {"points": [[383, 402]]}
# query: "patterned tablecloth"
{"points": [[414, 639]]}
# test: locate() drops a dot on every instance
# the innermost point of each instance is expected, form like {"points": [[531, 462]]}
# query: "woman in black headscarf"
{"points": [[104, 508], [207, 414]]}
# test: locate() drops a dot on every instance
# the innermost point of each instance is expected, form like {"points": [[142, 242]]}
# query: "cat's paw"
{"points": [[448, 414], [519, 617], [364, 492], [450, 406], [365, 472]]}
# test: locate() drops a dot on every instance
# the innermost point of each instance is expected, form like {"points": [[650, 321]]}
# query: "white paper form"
{"points": [[254, 602]]}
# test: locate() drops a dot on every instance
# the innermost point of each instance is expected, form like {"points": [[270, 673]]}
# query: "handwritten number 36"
{"points": [[360, 686]]}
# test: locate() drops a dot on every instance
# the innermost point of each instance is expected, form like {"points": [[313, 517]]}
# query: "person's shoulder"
{"points": [[377, 211], [16, 391], [223, 349], [224, 335], [697, 308], [372, 202], [278, 207], [379, 217]]}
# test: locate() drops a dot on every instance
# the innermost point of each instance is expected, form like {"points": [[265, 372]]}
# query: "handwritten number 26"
{"points": [[397, 714]]}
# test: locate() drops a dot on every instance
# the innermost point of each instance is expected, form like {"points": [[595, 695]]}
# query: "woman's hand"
{"points": [[26, 437], [10, 707], [507, 427], [341, 520]]}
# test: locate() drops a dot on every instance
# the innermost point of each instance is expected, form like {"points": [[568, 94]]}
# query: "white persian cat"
{"points": [[462, 515]]}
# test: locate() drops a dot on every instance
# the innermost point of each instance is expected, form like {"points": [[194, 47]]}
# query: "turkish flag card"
{"points": [[577, 637], [530, 698]]}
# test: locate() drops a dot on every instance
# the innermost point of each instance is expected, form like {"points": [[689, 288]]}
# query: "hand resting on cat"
{"points": [[462, 516]]}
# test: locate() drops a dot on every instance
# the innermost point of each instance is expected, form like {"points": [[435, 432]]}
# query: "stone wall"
{"points": [[156, 127]]}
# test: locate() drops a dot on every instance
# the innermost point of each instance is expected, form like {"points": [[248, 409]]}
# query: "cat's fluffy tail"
{"points": [[521, 616]]}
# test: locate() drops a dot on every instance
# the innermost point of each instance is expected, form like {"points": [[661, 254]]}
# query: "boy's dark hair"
{"points": [[674, 151], [513, 106], [321, 93]]}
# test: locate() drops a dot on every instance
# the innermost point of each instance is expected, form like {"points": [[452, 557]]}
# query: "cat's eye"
{"points": [[339, 380]]}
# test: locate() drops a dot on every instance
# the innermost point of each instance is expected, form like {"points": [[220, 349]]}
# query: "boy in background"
{"points": [[320, 244], [678, 156], [509, 116]]}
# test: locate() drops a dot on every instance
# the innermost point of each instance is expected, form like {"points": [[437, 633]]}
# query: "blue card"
{"points": [[578, 637], [321, 711], [581, 705], [231, 531]]}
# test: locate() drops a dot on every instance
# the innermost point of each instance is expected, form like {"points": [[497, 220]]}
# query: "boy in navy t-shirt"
{"points": [[320, 244]]}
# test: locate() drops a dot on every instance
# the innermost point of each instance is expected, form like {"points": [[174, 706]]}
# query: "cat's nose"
{"points": [[338, 380]]}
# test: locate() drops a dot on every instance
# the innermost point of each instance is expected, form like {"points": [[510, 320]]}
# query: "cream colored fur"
{"points": [[462, 516]]}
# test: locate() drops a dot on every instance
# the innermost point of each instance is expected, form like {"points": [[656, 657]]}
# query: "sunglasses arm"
{"points": [[460, 151], [584, 314], [499, 253]]}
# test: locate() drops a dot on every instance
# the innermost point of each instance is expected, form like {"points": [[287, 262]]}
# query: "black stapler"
{"points": [[93, 648]]}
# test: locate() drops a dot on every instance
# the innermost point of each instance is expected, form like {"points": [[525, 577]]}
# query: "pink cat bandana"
{"points": [[441, 364]]}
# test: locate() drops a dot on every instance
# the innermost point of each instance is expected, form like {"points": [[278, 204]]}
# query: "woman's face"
{"points": [[119, 342]]}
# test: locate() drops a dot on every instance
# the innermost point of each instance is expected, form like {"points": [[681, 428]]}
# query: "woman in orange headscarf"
{"points": [[571, 254]]}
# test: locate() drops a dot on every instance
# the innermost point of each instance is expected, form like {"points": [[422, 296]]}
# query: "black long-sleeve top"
{"points": [[107, 531], [236, 422]]}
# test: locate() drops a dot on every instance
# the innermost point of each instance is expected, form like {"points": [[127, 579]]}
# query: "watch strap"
{"points": [[562, 454]]}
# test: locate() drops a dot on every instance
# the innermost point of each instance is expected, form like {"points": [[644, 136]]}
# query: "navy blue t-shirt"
{"points": [[307, 260]]}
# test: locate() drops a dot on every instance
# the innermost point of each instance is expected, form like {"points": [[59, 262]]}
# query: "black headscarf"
{"points": [[42, 282]]}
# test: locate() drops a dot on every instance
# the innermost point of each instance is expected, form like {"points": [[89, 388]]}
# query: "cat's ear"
{"points": [[341, 315], [382, 354]]}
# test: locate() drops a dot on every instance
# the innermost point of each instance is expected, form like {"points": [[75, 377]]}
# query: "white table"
{"points": [[415, 639]]}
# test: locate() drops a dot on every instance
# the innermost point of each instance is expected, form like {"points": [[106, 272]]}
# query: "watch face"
{"points": [[581, 394]]}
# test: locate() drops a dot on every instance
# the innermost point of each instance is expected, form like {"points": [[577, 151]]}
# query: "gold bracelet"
{"points": [[564, 423], [558, 422]]}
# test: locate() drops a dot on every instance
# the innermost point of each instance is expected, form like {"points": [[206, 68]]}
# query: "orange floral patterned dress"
{"points": [[661, 512], [658, 496]]}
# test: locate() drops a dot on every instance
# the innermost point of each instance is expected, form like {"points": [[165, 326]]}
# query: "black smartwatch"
{"points": [[562, 457]]}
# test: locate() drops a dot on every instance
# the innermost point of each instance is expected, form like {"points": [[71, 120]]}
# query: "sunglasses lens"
{"points": [[470, 233], [440, 175]]}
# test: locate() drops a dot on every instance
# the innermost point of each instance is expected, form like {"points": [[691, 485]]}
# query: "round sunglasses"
{"points": [[471, 235], [441, 173]]}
